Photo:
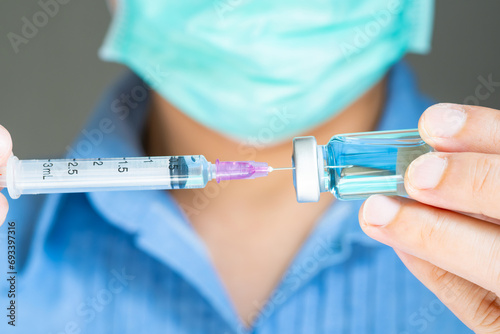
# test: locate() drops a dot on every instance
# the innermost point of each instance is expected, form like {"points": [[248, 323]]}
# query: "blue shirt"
{"points": [[129, 262]]}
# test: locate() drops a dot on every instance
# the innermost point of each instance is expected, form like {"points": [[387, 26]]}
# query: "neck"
{"points": [[252, 228]]}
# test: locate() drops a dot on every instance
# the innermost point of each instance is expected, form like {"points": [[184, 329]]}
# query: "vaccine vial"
{"points": [[355, 166]]}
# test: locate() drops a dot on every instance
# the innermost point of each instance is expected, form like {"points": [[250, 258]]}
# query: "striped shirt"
{"points": [[130, 262]]}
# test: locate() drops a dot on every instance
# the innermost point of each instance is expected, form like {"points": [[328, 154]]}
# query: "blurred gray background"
{"points": [[49, 88]]}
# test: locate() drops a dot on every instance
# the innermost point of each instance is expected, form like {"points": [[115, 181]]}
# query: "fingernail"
{"points": [[426, 171], [380, 210], [444, 120]]}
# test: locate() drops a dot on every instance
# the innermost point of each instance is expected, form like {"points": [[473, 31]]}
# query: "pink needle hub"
{"points": [[238, 170]]}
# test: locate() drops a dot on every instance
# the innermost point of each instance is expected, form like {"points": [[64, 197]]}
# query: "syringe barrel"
{"points": [[87, 175]]}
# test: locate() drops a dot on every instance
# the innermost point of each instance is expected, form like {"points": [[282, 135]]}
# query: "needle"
{"points": [[346, 166], [271, 169], [281, 168]]}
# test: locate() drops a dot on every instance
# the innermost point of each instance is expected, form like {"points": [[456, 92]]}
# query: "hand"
{"points": [[448, 236], [5, 153]]}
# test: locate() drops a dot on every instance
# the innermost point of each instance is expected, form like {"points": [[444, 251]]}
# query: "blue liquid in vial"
{"points": [[376, 162]]}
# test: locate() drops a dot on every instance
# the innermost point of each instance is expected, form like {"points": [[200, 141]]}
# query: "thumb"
{"points": [[5, 146]]}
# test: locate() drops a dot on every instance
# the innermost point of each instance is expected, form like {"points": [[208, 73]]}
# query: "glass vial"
{"points": [[355, 166]]}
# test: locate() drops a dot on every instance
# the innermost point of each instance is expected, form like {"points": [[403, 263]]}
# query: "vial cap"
{"points": [[305, 175]]}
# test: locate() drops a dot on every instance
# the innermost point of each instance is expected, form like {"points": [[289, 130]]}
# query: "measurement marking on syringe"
{"points": [[72, 171], [122, 169], [46, 171]]}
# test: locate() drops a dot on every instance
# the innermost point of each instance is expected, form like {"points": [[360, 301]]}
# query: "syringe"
{"points": [[350, 166], [138, 173]]}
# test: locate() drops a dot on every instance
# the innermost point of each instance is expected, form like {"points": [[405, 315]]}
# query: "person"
{"points": [[236, 81]]}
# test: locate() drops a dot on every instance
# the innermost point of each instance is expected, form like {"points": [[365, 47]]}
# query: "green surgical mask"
{"points": [[265, 70]]}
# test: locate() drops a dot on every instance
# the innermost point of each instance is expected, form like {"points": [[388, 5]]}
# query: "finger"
{"points": [[478, 308], [460, 128], [462, 245], [467, 182], [5, 145], [481, 217], [4, 207]]}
